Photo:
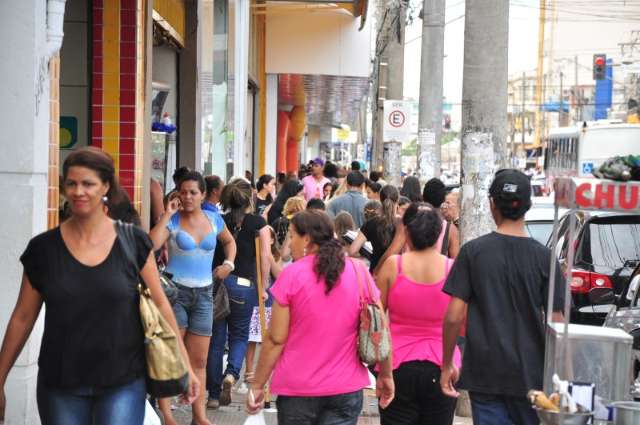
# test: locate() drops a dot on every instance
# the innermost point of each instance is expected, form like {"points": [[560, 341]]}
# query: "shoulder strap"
{"points": [[127, 242], [448, 265], [399, 263], [445, 240]]}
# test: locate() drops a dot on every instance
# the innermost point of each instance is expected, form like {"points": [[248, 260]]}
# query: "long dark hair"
{"points": [[100, 162], [236, 201], [288, 190], [411, 189], [329, 261], [387, 220]]}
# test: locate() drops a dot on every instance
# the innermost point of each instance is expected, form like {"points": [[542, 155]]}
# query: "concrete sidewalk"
{"points": [[234, 414]]}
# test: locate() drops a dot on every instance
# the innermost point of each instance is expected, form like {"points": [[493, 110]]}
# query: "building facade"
{"points": [[158, 84]]}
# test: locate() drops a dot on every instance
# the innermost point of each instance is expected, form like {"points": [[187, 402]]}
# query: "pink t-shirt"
{"points": [[320, 357], [416, 314], [314, 188]]}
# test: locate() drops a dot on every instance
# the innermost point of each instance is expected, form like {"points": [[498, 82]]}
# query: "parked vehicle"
{"points": [[607, 250], [577, 151], [539, 219], [624, 313]]}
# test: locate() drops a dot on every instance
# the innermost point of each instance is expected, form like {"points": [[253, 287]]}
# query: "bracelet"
{"points": [[230, 264]]}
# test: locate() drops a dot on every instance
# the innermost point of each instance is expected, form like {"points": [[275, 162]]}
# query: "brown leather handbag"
{"points": [[167, 373]]}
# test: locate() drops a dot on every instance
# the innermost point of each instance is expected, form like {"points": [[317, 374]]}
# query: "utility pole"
{"points": [[390, 69], [539, 135], [576, 90], [524, 94], [561, 115], [431, 75], [484, 109]]}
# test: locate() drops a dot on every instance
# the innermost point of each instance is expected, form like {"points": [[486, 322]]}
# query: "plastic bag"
{"points": [[150, 415], [257, 419]]}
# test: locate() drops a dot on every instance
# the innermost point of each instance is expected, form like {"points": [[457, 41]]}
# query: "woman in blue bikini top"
{"points": [[192, 235]]}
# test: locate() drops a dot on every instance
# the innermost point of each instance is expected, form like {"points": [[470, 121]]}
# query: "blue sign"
{"points": [[587, 167]]}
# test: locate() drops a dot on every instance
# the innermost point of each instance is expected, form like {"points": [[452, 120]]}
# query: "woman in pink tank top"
{"points": [[311, 346], [411, 290]]}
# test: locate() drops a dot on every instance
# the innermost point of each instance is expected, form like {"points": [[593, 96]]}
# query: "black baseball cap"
{"points": [[511, 191]]}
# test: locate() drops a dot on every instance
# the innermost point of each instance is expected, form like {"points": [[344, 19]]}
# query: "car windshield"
{"points": [[615, 241], [540, 230]]}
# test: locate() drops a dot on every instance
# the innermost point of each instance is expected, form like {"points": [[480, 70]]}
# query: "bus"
{"points": [[578, 151]]}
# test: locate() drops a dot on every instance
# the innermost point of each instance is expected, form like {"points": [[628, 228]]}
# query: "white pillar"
{"points": [[24, 90], [240, 81], [271, 143]]}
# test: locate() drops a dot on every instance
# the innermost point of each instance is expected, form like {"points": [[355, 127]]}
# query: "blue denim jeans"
{"points": [[490, 409], [341, 409], [121, 405], [235, 328]]}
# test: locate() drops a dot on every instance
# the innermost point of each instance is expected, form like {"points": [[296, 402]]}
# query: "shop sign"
{"points": [[594, 194]]}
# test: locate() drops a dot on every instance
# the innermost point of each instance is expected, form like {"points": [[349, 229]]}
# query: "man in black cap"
{"points": [[503, 280]]}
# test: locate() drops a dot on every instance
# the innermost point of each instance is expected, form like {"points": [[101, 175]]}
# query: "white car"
{"points": [[539, 219]]}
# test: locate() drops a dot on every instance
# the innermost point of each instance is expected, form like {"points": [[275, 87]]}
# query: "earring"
{"points": [[304, 251], [105, 199]]}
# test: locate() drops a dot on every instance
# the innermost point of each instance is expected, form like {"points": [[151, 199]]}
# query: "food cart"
{"points": [[589, 354]]}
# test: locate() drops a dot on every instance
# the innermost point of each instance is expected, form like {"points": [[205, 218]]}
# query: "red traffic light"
{"points": [[600, 61]]}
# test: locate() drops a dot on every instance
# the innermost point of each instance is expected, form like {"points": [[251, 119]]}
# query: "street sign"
{"points": [[397, 125]]}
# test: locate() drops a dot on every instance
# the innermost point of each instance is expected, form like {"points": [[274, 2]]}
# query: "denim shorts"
{"points": [[194, 309]]}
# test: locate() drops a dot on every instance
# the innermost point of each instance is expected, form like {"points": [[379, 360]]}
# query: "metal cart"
{"points": [[579, 353]]}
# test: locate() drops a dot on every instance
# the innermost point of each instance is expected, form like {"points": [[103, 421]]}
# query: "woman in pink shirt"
{"points": [[411, 291], [311, 344]]}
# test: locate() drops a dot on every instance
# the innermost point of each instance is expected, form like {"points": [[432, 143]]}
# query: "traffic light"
{"points": [[599, 66]]}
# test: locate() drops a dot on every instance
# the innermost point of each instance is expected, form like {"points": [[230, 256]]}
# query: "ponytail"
{"points": [[389, 197], [329, 262]]}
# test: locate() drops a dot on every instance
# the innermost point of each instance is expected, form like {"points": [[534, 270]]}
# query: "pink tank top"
{"points": [[416, 313]]}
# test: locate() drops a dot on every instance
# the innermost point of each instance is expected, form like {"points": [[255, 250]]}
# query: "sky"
{"points": [[523, 46]]}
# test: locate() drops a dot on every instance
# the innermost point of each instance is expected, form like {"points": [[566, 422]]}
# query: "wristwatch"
{"points": [[230, 264]]}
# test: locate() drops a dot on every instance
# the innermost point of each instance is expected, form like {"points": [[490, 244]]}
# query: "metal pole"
{"points": [[484, 109], [431, 76]]}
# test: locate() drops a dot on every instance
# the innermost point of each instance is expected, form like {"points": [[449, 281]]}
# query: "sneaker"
{"points": [[212, 403], [243, 388], [227, 384]]}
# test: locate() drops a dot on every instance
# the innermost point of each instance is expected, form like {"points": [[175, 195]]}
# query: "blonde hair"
{"points": [[294, 205]]}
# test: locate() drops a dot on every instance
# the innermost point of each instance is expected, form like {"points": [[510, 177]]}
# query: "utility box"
{"points": [[598, 355]]}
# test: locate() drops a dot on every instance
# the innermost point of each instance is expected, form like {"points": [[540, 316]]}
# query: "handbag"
{"points": [[167, 374], [168, 286], [374, 341], [221, 306]]}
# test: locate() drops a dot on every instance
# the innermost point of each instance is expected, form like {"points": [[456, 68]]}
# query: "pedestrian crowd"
{"points": [[323, 245]]}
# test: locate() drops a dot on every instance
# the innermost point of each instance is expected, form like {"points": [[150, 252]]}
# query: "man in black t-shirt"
{"points": [[503, 280]]}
